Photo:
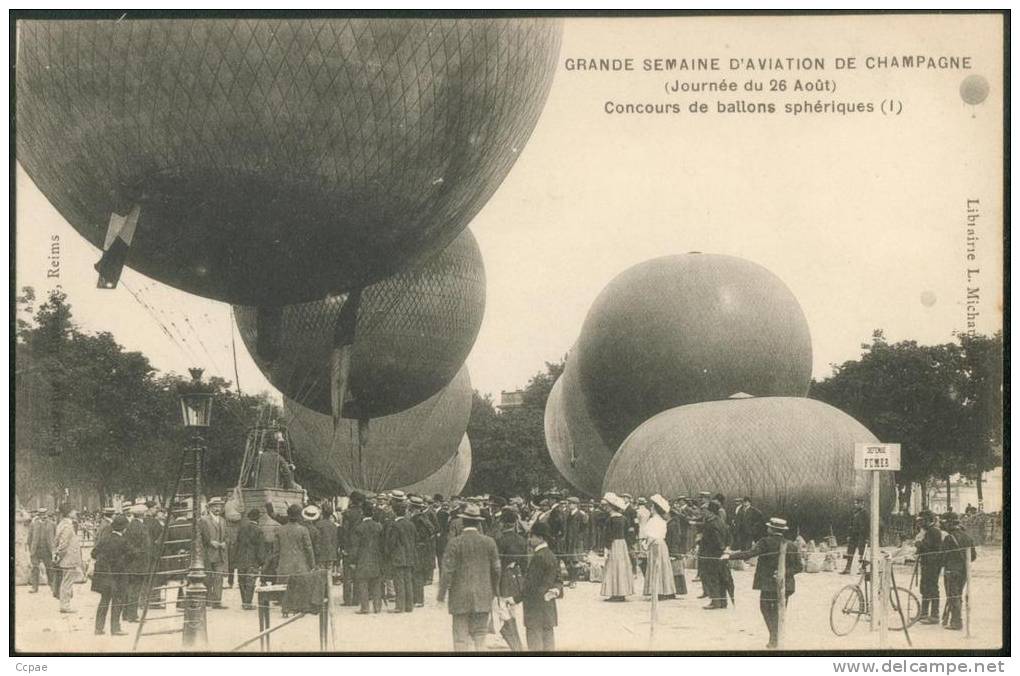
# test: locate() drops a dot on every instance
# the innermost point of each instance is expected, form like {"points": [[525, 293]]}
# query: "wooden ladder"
{"points": [[168, 570]]}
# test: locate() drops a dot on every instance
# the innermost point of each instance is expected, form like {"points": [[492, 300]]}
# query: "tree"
{"points": [[923, 397], [981, 396], [509, 455], [91, 416], [93, 419]]}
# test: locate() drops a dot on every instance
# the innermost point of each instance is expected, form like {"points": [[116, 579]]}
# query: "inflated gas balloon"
{"points": [[793, 456], [974, 89], [414, 332], [449, 479], [273, 161], [400, 449], [683, 329], [574, 445]]}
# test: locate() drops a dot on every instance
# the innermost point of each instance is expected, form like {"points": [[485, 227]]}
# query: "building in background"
{"points": [[510, 400]]}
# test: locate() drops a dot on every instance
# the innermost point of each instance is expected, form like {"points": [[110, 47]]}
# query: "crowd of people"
{"points": [[491, 555]]}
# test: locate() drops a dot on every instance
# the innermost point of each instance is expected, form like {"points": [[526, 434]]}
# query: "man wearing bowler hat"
{"points": [[470, 573], [541, 589], [766, 574]]}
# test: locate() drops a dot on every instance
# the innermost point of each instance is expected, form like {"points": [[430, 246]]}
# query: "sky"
{"points": [[862, 216]]}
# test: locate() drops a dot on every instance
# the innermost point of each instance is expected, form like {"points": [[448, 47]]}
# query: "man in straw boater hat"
{"points": [[766, 578], [470, 572]]}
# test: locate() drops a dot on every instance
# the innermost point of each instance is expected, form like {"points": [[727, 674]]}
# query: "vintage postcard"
{"points": [[531, 333]]}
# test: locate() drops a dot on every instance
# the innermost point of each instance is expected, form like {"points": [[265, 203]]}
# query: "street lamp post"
{"points": [[196, 413]]}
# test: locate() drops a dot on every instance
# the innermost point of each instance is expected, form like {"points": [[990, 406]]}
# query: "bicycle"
{"points": [[851, 603]]}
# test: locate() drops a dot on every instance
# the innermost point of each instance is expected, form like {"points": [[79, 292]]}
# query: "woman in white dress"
{"points": [[659, 573]]}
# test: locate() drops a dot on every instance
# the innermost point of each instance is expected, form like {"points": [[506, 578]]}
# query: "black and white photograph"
{"points": [[510, 333]]}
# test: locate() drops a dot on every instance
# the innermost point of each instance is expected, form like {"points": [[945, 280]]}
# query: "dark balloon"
{"points": [[684, 329], [414, 332], [793, 456], [278, 160], [401, 449], [574, 445], [449, 479]]}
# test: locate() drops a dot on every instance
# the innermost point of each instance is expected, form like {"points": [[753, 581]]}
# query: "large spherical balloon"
{"points": [[414, 332], [683, 329], [574, 445], [449, 479], [401, 449], [794, 457], [277, 160]]}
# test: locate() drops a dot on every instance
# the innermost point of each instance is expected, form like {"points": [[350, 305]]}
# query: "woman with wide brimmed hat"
{"points": [[659, 571], [618, 582]]}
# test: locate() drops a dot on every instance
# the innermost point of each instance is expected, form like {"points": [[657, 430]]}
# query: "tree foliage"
{"points": [[942, 403], [92, 416], [508, 452]]}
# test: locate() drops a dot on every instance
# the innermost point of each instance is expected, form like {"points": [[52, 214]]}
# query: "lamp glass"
{"points": [[196, 409]]}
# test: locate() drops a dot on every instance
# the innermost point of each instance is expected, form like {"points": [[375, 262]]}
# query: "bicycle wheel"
{"points": [[911, 608], [847, 609]]}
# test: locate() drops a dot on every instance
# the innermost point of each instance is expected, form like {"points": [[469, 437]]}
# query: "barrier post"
{"points": [[882, 610], [875, 546], [966, 590], [653, 587], [781, 590]]}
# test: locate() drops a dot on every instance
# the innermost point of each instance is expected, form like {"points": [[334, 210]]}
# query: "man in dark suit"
{"points": [[155, 528], [40, 545], [956, 547], [351, 518], [249, 550], [425, 547], [366, 560], [748, 523], [929, 553], [402, 553], [139, 546], [441, 511], [766, 574], [470, 572], [108, 579], [715, 574], [294, 552], [857, 534], [573, 537], [213, 529], [541, 589]]}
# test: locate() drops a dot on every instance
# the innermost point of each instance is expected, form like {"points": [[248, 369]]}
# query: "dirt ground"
{"points": [[585, 622]]}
